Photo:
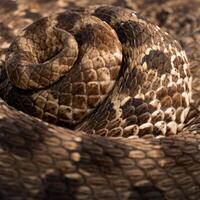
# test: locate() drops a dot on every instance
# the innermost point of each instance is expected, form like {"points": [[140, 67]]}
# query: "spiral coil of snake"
{"points": [[99, 71]]}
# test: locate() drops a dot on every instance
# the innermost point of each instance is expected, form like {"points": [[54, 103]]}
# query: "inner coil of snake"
{"points": [[103, 70]]}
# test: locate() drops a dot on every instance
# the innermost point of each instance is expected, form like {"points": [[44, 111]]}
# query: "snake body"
{"points": [[152, 91], [98, 71]]}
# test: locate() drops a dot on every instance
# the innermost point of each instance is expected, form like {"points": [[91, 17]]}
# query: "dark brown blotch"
{"points": [[159, 61], [134, 33]]}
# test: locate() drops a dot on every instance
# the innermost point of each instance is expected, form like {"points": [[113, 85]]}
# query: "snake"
{"points": [[98, 103]]}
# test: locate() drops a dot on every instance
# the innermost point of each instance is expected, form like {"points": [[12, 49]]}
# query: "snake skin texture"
{"points": [[152, 147]]}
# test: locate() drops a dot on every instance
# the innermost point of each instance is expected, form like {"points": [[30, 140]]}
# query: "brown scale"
{"points": [[171, 115], [158, 115], [172, 89]]}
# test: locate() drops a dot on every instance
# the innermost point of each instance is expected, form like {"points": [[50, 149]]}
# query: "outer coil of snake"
{"points": [[104, 71]]}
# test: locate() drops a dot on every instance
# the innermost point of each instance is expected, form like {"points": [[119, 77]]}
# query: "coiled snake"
{"points": [[98, 71]]}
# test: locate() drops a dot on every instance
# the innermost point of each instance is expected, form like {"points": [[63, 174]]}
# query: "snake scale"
{"points": [[115, 104]]}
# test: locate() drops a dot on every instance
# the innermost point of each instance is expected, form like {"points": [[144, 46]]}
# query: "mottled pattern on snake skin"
{"points": [[170, 15], [42, 161], [152, 91]]}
